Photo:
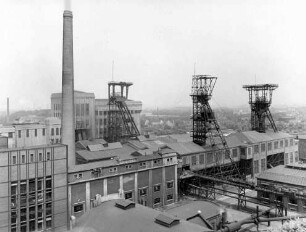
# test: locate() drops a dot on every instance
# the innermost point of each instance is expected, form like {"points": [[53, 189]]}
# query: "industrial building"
{"points": [[133, 171], [286, 184], [33, 188], [91, 114]]}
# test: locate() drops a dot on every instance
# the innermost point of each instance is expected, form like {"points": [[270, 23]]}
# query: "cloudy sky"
{"points": [[154, 44]]}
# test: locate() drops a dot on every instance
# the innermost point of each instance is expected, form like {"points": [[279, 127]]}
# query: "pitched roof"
{"points": [[186, 148], [285, 174]]}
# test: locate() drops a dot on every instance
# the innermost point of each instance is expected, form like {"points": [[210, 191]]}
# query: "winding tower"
{"points": [[121, 125], [260, 99], [206, 130]]}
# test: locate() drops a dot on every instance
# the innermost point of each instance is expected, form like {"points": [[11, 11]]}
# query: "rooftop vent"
{"points": [[167, 221], [125, 204]]}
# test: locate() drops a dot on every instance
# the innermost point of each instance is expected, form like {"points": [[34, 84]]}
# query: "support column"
{"points": [[104, 186], [69, 208], [150, 189], [175, 183], [136, 188], [163, 185], [121, 192], [87, 196]]}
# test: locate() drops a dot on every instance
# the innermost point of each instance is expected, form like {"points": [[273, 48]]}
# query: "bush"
{"points": [[297, 225]]}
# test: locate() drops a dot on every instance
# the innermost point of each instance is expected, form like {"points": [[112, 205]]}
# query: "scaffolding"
{"points": [[205, 126], [121, 125], [260, 99]]}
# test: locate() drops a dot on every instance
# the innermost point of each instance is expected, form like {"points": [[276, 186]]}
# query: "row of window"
{"points": [[31, 158], [276, 145], [35, 132], [292, 157], [262, 165]]}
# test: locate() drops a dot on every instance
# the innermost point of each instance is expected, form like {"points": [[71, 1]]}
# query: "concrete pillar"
{"points": [[136, 187], [121, 186], [68, 120], [69, 207], [175, 183], [150, 203], [104, 186], [87, 196], [164, 185]]}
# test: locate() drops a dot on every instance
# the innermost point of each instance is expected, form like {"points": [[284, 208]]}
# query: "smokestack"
{"points": [[68, 134], [7, 110]]}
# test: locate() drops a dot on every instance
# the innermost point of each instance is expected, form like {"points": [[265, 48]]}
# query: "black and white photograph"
{"points": [[153, 116]]}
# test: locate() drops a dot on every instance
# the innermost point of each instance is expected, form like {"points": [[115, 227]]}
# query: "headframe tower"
{"points": [[205, 126], [260, 99]]}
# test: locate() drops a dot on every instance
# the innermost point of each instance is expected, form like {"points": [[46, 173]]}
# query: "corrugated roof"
{"points": [[137, 144], [286, 175], [107, 217]]}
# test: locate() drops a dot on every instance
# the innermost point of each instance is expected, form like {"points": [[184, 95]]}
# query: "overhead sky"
{"points": [[154, 44]]}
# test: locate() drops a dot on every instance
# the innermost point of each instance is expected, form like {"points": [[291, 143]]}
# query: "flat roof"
{"points": [[108, 217]]}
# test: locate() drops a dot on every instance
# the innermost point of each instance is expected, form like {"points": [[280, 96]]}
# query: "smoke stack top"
{"points": [[68, 5]]}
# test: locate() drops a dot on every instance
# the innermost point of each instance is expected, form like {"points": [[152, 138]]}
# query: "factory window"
{"points": [[249, 151], [13, 217], [286, 158], [291, 157], [256, 149], [10, 134], [143, 192], [28, 133], [156, 188], [291, 142], [105, 121], [19, 133], [31, 158], [52, 131], [235, 153], [243, 151], [82, 110], [48, 156], [48, 182], [57, 132], [32, 225], [23, 214], [40, 157], [14, 159], [48, 223], [263, 147], [169, 197], [276, 145], [269, 146], [281, 144], [113, 169], [105, 113], [14, 188], [49, 209], [96, 113], [286, 143], [100, 113], [35, 132], [170, 184], [157, 161], [263, 165], [87, 109], [22, 159], [296, 156], [128, 195], [77, 110], [43, 131], [184, 161], [156, 201], [143, 164], [256, 166], [201, 159], [128, 166], [209, 158], [193, 160]]}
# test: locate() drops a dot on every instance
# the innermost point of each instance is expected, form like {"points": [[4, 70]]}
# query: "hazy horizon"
{"points": [[154, 44]]}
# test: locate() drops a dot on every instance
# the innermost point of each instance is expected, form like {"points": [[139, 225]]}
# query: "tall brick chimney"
{"points": [[68, 127]]}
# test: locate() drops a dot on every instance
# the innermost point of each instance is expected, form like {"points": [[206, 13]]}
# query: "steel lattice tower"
{"points": [[121, 124], [260, 98], [205, 126]]}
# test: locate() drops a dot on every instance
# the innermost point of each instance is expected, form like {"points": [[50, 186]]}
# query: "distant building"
{"points": [[32, 134], [91, 115], [302, 147], [286, 184]]}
